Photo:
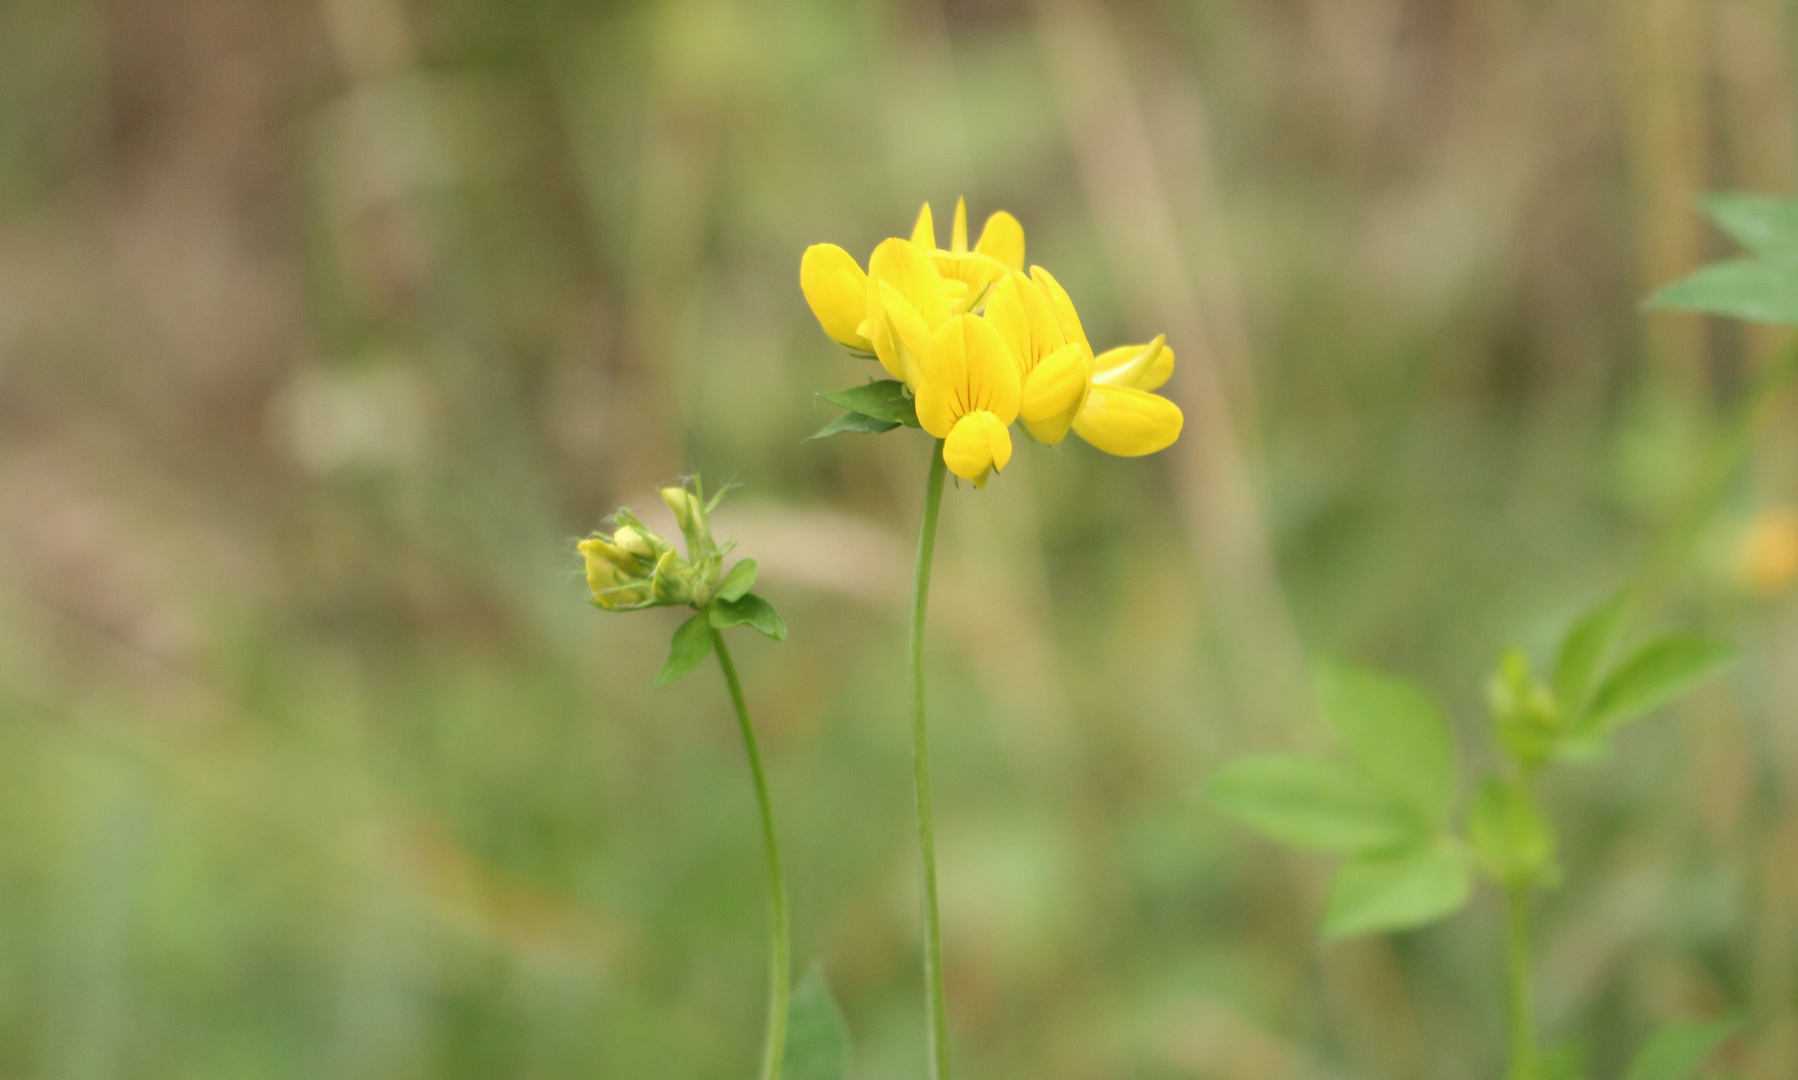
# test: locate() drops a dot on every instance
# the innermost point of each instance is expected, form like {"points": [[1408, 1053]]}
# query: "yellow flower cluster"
{"points": [[980, 345]]}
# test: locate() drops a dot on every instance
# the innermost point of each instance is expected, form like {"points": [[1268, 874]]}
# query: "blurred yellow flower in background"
{"points": [[1770, 551]]}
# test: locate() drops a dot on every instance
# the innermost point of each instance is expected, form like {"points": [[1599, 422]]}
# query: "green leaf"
{"points": [[818, 1045], [885, 399], [1676, 1052], [1758, 290], [751, 611], [1396, 891], [691, 645], [1658, 672], [1761, 223], [1583, 653], [738, 581], [1511, 839], [854, 423], [1313, 802], [1396, 733]]}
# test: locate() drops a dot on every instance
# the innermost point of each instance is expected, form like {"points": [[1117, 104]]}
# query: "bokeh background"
{"points": [[326, 328]]}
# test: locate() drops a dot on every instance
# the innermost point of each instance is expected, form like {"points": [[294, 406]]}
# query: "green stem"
{"points": [[1520, 1003], [780, 946], [936, 1013]]}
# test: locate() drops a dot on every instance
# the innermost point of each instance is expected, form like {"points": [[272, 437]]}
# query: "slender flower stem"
{"points": [[1520, 1004], [780, 960], [937, 1015]]}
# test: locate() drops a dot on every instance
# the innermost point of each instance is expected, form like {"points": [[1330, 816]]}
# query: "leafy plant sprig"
{"points": [[631, 569], [1389, 808]]}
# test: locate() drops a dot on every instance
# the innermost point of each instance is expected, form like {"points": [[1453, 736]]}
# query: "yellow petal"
{"points": [[1128, 423], [907, 338], [1065, 315], [837, 290], [958, 233], [911, 270], [967, 277], [1053, 394], [1020, 311], [908, 271], [970, 365], [923, 233], [1003, 238], [1139, 367], [976, 445]]}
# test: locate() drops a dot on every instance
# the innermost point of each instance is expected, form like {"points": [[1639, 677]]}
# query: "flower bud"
{"points": [[613, 588], [687, 510], [673, 579], [635, 543], [1524, 712], [599, 546]]}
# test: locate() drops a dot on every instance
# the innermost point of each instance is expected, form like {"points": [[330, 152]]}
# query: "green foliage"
{"points": [[738, 581], [1396, 734], [874, 407], [1397, 891], [1759, 289], [883, 399], [1676, 1052], [692, 643], [818, 1044], [1584, 650], [1763, 224], [1511, 838], [751, 611], [1563, 1061], [1656, 674], [1312, 802], [854, 423]]}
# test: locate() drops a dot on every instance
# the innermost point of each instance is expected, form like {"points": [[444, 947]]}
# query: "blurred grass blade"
{"points": [[1658, 672], [1397, 891], [1758, 290], [1313, 802], [818, 1046], [1763, 224], [1676, 1052], [1395, 732]]}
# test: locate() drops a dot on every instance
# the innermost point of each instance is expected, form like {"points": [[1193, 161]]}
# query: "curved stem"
{"points": [[936, 1014], [780, 961], [1520, 1004]]}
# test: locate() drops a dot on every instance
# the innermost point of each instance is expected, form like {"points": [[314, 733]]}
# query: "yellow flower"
{"points": [[1055, 371], [613, 576], [1119, 414], [907, 301], [969, 274], [967, 395], [837, 290], [1770, 552]]}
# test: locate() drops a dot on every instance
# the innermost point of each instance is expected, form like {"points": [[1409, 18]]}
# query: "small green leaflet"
{"points": [[885, 400], [854, 423], [1757, 290], [691, 645], [1763, 224], [1583, 653], [751, 611], [738, 581], [1396, 733], [1658, 672], [818, 1046], [1397, 891], [1313, 802], [1675, 1053]]}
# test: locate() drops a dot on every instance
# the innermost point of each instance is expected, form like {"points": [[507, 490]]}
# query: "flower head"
{"points": [[634, 568]]}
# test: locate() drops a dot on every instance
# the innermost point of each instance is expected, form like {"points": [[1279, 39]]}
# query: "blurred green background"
{"points": [[325, 328]]}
